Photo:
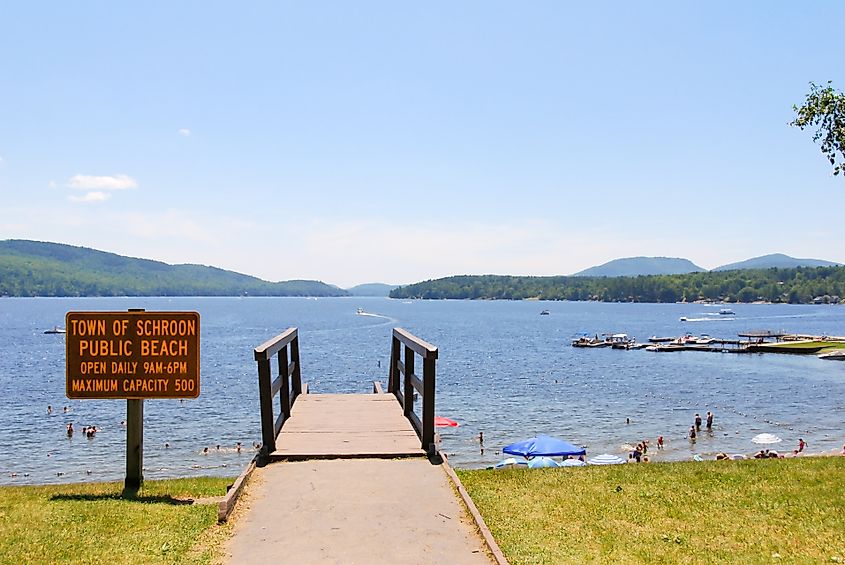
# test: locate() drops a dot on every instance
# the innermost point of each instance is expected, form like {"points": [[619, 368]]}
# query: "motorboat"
{"points": [[591, 342], [655, 339], [360, 311], [683, 319], [703, 339], [55, 330], [727, 312], [621, 341], [544, 312]]}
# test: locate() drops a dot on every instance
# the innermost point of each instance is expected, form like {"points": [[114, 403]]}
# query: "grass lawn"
{"points": [[781, 511], [91, 523]]}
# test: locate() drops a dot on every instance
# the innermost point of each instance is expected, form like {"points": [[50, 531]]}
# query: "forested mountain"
{"points": [[777, 260], [636, 266], [371, 289], [33, 268], [799, 285]]}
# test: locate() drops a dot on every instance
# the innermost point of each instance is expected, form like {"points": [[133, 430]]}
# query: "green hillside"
{"points": [[33, 268], [800, 285]]}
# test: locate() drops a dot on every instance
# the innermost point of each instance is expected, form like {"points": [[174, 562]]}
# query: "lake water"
{"points": [[503, 369]]}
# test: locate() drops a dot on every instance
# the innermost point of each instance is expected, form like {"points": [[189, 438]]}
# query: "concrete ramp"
{"points": [[367, 511]]}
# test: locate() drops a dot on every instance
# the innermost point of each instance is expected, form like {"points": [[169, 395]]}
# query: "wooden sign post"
{"points": [[133, 355]]}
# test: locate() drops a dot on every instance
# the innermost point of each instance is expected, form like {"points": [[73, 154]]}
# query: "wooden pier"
{"points": [[328, 426], [354, 478]]}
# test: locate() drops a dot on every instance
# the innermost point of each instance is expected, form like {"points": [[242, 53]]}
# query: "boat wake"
{"points": [[710, 319]]}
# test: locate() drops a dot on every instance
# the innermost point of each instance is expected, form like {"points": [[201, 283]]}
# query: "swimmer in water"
{"points": [[70, 429], [692, 433], [166, 445], [49, 409], [238, 447], [205, 451], [659, 442]]}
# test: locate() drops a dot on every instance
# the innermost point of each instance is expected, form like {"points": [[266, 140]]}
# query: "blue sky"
{"points": [[369, 141]]}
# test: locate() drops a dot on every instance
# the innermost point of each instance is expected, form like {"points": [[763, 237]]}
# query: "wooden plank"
{"points": [[417, 382], [347, 425], [277, 384]]}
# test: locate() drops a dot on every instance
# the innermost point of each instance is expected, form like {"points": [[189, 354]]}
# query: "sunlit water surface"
{"points": [[503, 369]]}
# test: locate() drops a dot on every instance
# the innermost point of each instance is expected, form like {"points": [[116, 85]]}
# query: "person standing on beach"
{"points": [[697, 422], [709, 421], [801, 444], [659, 442]]}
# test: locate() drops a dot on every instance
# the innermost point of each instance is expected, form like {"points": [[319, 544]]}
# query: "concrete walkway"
{"points": [[354, 511]]}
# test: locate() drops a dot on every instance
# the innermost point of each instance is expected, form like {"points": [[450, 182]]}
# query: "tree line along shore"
{"points": [[800, 285]]}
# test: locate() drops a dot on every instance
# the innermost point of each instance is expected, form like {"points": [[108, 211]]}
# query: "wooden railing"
{"points": [[402, 381], [288, 383]]}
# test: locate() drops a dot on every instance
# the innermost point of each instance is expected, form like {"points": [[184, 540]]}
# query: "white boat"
{"points": [[727, 312], [55, 330], [360, 311]]}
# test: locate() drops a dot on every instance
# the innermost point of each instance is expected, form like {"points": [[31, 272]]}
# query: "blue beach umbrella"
{"points": [[540, 462], [543, 445]]}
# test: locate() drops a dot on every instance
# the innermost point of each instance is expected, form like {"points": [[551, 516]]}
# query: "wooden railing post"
{"points": [[408, 389], [268, 437], [297, 376], [428, 403], [393, 374], [284, 392]]}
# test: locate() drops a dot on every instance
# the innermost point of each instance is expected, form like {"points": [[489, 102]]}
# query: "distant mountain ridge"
{"points": [[34, 268], [371, 289], [638, 266], [776, 260], [643, 266]]}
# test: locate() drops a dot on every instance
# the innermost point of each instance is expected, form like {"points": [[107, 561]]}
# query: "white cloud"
{"points": [[93, 196], [184, 132], [52, 184], [105, 182], [2, 161]]}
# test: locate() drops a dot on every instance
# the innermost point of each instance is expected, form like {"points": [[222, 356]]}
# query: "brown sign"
{"points": [[133, 354]]}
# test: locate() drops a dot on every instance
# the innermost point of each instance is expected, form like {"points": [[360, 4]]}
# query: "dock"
{"points": [[353, 478]]}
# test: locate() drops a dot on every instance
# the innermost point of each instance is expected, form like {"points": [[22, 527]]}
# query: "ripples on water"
{"points": [[503, 369]]}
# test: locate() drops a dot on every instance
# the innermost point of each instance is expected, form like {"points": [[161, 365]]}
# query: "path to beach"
{"points": [[354, 511]]}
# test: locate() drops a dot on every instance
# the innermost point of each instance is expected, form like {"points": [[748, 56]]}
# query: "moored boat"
{"points": [[55, 330]]}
